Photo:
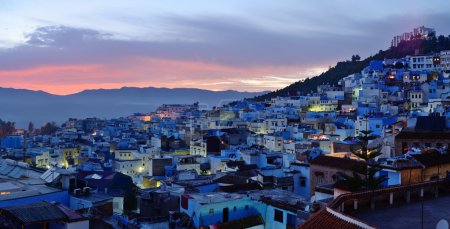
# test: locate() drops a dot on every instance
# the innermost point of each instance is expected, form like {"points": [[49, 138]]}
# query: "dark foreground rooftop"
{"points": [[408, 215]]}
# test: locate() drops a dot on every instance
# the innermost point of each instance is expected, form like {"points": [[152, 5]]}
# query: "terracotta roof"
{"points": [[330, 219]]}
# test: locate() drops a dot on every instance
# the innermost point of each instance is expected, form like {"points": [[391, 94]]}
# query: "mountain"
{"points": [[345, 68], [23, 106]]}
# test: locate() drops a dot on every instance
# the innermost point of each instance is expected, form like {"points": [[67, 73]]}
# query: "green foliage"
{"points": [[365, 177], [345, 68]]}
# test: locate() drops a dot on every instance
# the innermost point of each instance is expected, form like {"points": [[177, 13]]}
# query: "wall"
{"points": [[77, 203], [303, 191], [73, 225], [203, 216], [270, 218], [328, 173], [60, 197]]}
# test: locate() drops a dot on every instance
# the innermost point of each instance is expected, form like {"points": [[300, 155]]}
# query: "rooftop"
{"points": [[215, 197], [40, 212], [408, 215], [94, 197]]}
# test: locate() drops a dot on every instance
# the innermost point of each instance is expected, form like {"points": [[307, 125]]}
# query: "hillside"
{"points": [[345, 68]]}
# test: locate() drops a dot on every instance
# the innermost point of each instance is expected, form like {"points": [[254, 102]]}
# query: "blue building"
{"points": [[273, 208], [12, 141], [301, 179]]}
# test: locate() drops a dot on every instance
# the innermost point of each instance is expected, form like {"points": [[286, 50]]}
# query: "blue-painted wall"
{"points": [[60, 197], [14, 142], [303, 172]]}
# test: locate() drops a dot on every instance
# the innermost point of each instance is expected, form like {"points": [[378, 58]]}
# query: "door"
{"points": [[225, 215]]}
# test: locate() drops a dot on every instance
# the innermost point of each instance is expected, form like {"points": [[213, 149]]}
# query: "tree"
{"points": [[49, 128], [399, 65], [6, 128], [365, 177], [356, 58], [30, 127], [130, 200]]}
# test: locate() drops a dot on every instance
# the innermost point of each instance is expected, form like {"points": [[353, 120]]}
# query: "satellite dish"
{"points": [[442, 224]]}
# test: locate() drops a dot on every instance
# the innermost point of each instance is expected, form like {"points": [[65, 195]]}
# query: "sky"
{"points": [[64, 47]]}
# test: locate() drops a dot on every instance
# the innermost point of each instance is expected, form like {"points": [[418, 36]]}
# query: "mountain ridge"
{"points": [[23, 105]]}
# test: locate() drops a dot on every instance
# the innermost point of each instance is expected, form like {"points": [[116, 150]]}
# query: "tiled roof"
{"points": [[34, 213], [330, 219]]}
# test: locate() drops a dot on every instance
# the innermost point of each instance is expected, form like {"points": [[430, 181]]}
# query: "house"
{"points": [[33, 186], [301, 179], [429, 131], [114, 184], [325, 169], [271, 208], [83, 199], [158, 202], [401, 170], [436, 164]]}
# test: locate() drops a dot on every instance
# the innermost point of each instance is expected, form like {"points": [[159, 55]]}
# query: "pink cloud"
{"points": [[153, 72]]}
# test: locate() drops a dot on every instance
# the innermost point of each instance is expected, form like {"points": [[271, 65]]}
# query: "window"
{"points": [[278, 215], [319, 179], [303, 181]]}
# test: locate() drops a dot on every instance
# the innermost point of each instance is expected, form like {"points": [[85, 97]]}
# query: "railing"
{"points": [[337, 202]]}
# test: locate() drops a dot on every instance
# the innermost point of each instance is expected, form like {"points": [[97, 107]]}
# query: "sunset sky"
{"points": [[64, 47]]}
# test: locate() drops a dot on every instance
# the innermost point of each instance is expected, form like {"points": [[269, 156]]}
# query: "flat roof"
{"points": [[408, 215], [216, 197], [21, 190], [94, 197]]}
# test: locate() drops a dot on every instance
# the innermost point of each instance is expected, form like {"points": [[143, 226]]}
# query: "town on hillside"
{"points": [[374, 146]]}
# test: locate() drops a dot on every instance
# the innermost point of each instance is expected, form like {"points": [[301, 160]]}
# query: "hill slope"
{"points": [[345, 68]]}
